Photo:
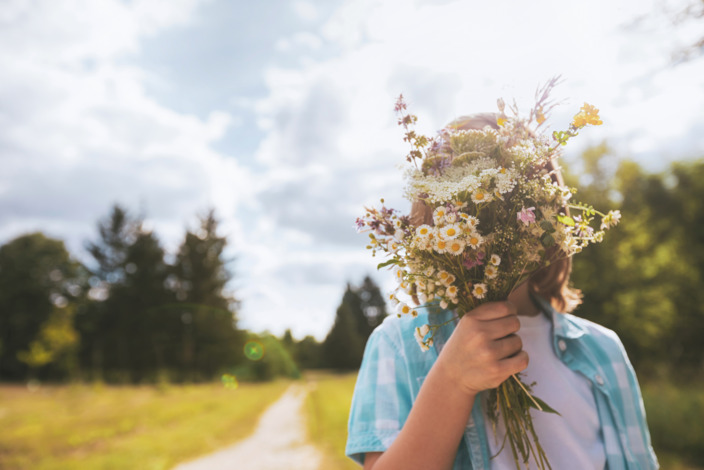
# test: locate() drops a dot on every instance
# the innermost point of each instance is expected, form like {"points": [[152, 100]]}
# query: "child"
{"points": [[423, 410]]}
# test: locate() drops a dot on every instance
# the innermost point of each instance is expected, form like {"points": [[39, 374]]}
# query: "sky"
{"points": [[279, 115]]}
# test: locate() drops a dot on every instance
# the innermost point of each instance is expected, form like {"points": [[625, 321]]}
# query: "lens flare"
{"points": [[254, 350]]}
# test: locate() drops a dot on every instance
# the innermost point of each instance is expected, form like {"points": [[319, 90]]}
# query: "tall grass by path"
{"points": [[142, 427], [328, 408], [676, 421]]}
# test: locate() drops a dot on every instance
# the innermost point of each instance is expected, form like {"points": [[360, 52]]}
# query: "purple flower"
{"points": [[527, 216], [359, 223], [470, 262]]}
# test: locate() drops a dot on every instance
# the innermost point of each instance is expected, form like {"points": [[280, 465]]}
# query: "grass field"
{"points": [[84, 427], [98, 427], [676, 421], [328, 407]]}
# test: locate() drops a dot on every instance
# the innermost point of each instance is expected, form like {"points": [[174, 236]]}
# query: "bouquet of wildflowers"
{"points": [[498, 216]]}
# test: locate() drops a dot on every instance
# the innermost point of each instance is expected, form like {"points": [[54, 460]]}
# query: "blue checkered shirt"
{"points": [[394, 368]]}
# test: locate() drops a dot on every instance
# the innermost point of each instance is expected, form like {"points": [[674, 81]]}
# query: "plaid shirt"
{"points": [[394, 368]]}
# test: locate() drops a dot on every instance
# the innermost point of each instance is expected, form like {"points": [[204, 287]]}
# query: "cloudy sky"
{"points": [[279, 114]]}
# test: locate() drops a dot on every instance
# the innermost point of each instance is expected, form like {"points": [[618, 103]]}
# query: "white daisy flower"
{"points": [[452, 291], [491, 272], [451, 217], [443, 276], [430, 271], [424, 230], [403, 309], [397, 223], [439, 214], [455, 247], [475, 240], [450, 231], [479, 290], [392, 298], [440, 245], [495, 260], [479, 196], [398, 273], [472, 222]]}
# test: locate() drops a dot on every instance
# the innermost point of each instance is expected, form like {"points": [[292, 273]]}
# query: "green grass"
{"points": [[328, 407], [676, 420], [80, 427]]}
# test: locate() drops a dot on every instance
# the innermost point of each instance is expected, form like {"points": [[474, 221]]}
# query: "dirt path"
{"points": [[279, 441]]}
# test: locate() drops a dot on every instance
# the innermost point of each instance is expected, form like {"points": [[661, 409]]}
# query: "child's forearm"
{"points": [[432, 433]]}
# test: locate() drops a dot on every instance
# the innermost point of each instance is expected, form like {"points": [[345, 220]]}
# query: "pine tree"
{"points": [[130, 326], [373, 306], [343, 347], [209, 339]]}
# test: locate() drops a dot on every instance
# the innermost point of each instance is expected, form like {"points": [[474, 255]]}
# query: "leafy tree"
{"points": [[645, 280], [55, 343], [37, 276]]}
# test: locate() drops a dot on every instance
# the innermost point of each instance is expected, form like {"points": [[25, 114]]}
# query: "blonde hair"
{"points": [[550, 282]]}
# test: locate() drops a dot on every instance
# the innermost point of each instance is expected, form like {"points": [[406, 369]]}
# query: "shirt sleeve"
{"points": [[637, 400], [382, 397]]}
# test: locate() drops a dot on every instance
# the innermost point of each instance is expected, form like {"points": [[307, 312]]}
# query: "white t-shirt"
{"points": [[572, 440]]}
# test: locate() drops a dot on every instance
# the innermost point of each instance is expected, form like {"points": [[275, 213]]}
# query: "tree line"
{"points": [[133, 316]]}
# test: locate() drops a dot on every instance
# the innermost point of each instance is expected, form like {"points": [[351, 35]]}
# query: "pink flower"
{"points": [[527, 216], [470, 262]]}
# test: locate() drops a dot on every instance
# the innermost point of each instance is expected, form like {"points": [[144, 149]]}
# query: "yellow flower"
{"points": [[587, 115], [501, 121], [539, 115]]}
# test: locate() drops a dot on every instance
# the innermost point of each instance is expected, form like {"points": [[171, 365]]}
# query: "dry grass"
{"points": [[101, 427]]}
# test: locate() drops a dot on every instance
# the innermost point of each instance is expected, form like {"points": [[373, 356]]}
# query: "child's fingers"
{"points": [[507, 347], [514, 364], [492, 311]]}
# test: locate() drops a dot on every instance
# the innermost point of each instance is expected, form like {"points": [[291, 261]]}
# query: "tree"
{"points": [[344, 346], [129, 324], [209, 336], [37, 277], [362, 309], [645, 280], [373, 306]]}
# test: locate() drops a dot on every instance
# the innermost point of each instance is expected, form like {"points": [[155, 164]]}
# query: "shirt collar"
{"points": [[563, 325]]}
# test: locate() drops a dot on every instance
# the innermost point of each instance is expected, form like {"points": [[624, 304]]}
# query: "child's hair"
{"points": [[551, 282]]}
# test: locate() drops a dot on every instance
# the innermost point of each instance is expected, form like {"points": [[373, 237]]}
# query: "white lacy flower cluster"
{"points": [[482, 178]]}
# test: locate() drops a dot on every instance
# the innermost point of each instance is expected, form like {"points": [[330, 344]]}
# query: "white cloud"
{"points": [[448, 60], [78, 131]]}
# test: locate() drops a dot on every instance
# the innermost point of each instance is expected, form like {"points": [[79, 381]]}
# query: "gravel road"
{"points": [[279, 441]]}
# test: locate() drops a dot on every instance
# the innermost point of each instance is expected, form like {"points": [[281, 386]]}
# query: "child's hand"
{"points": [[484, 350]]}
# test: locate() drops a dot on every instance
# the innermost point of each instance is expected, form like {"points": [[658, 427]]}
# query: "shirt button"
{"points": [[562, 345], [599, 379]]}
